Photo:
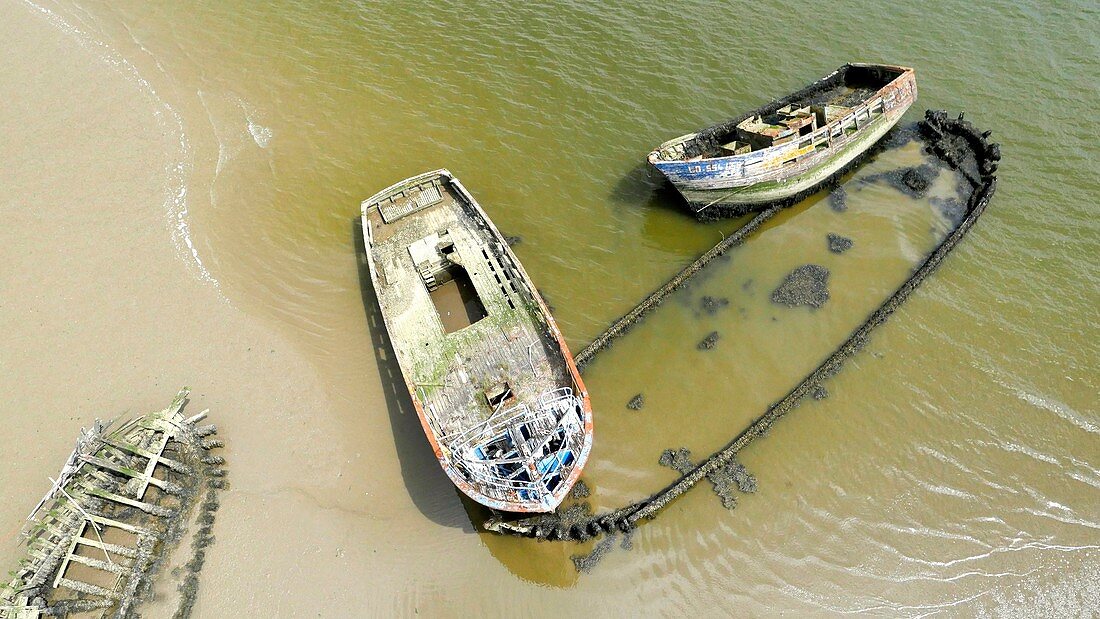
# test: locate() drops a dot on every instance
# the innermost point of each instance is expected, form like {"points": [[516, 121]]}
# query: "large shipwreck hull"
{"points": [[495, 386], [788, 148], [957, 147]]}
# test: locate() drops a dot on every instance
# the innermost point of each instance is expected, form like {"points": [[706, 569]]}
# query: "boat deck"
{"points": [[464, 337]]}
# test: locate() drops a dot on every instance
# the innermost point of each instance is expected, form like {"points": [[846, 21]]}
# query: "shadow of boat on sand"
{"points": [[429, 488]]}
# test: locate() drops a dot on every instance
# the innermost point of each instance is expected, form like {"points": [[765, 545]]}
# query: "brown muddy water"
{"points": [[180, 186]]}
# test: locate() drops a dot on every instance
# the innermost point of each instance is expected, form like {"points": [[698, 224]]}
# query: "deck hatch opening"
{"points": [[498, 394], [455, 298]]}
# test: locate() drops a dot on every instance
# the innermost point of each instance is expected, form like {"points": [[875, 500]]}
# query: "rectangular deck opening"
{"points": [[455, 299]]}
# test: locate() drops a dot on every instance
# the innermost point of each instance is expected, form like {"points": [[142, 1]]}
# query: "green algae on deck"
{"points": [[494, 384]]}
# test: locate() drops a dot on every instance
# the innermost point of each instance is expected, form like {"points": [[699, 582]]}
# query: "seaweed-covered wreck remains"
{"points": [[118, 507], [956, 144], [490, 376], [784, 150]]}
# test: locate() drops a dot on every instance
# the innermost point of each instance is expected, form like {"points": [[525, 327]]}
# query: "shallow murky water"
{"points": [[181, 186]]}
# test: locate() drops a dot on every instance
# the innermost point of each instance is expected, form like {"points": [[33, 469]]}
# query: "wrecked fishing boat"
{"points": [[495, 386], [116, 512], [784, 150]]}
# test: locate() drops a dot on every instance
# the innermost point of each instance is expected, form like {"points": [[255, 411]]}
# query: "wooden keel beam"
{"points": [[114, 568], [122, 525], [68, 556], [149, 508], [123, 470], [90, 589], [152, 466], [177, 466]]}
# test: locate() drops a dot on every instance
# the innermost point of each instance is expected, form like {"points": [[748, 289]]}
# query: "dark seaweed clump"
{"points": [[585, 563], [806, 285], [636, 403], [913, 182], [839, 244], [677, 459], [575, 513], [733, 476], [711, 305], [709, 342], [727, 478], [580, 490], [838, 199]]}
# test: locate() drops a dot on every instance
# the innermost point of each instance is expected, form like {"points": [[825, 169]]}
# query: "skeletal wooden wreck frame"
{"points": [[137, 481]]}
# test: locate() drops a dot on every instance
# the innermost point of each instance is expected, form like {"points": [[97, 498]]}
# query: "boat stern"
{"points": [[524, 459]]}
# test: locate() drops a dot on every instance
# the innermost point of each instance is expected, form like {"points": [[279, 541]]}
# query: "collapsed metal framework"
{"points": [[120, 499], [519, 449], [960, 146]]}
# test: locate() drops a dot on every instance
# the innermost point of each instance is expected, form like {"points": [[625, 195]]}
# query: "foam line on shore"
{"points": [[178, 170]]}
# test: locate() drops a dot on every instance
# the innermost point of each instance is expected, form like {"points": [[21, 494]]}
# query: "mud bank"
{"points": [[105, 315], [958, 145]]}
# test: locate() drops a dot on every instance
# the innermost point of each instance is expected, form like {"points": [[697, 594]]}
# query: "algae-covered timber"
{"points": [[116, 510], [788, 148], [490, 376]]}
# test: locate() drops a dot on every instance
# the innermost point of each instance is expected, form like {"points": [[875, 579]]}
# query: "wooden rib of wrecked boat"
{"points": [[490, 376], [94, 539], [790, 146]]}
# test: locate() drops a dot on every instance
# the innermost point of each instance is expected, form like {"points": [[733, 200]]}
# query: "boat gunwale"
{"points": [[444, 459], [654, 155]]}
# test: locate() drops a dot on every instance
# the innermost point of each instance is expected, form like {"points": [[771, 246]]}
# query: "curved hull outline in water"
{"points": [[791, 146], [497, 393]]}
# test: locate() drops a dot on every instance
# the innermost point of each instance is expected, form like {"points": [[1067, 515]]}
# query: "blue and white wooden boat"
{"points": [[785, 150]]}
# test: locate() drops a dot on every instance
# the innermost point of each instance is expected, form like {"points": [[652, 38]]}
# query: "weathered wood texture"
{"points": [[134, 480]]}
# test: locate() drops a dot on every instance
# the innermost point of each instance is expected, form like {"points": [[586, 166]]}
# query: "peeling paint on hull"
{"points": [[753, 197], [780, 162]]}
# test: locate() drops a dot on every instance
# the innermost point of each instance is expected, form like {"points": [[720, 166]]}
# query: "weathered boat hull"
{"points": [[716, 186], [466, 436], [739, 200]]}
